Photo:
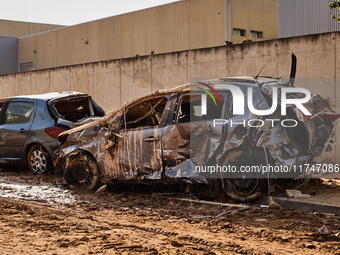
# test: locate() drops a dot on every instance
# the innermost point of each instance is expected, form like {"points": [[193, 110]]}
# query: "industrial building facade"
{"points": [[303, 17], [10, 31], [19, 29], [182, 25]]}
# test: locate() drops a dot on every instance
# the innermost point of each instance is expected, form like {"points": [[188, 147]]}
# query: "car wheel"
{"points": [[245, 187], [81, 169], [38, 160]]}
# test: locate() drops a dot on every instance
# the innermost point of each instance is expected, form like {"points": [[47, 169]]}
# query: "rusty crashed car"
{"points": [[163, 137], [30, 125]]}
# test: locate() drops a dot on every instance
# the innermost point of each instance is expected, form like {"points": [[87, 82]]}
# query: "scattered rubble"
{"points": [[296, 194]]}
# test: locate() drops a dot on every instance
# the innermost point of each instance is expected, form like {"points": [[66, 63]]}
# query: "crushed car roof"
{"points": [[242, 80]]}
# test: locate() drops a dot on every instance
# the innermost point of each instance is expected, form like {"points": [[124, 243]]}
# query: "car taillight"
{"points": [[54, 131], [332, 116]]}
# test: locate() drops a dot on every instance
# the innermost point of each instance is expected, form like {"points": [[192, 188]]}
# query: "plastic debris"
{"points": [[295, 194], [101, 189], [322, 231]]}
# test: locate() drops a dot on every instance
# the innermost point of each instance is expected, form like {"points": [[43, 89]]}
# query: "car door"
{"points": [[192, 139], [16, 120], [139, 151]]}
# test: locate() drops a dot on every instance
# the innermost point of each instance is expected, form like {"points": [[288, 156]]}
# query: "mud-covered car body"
{"points": [[29, 126], [154, 138]]}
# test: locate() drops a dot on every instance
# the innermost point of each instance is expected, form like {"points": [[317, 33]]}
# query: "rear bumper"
{"points": [[51, 147]]}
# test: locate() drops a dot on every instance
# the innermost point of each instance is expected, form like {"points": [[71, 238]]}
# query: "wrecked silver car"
{"points": [[193, 133], [30, 125]]}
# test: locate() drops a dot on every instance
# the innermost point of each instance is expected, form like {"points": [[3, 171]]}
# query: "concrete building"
{"points": [[18, 29], [303, 17], [183, 25], [10, 31]]}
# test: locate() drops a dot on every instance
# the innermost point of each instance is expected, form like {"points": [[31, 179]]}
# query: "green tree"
{"points": [[334, 5]]}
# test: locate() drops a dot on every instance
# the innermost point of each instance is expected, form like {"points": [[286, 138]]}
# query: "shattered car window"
{"points": [[190, 109], [258, 100], [114, 121], [73, 110], [145, 114], [18, 112]]}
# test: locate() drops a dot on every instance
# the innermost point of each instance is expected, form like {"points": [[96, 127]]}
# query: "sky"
{"points": [[70, 12]]}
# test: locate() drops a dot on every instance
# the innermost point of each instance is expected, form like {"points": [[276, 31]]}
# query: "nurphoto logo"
{"points": [[239, 103]]}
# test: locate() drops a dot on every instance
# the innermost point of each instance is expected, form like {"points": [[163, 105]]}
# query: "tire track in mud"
{"points": [[57, 223], [132, 223]]}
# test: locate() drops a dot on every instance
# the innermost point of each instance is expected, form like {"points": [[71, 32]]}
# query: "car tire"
{"points": [[249, 187], [38, 160], [82, 169]]}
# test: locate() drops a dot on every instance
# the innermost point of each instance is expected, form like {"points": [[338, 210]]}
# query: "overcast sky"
{"points": [[70, 12]]}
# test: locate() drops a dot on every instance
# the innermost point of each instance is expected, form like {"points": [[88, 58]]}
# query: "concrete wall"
{"points": [[114, 82], [178, 26], [8, 55], [20, 29]]}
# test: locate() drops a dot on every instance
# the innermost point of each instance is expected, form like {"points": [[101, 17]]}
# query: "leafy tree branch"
{"points": [[334, 5]]}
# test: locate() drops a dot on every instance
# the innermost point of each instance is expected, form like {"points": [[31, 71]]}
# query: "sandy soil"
{"points": [[42, 215]]}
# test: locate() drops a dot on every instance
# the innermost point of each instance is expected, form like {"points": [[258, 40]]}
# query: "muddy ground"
{"points": [[41, 215]]}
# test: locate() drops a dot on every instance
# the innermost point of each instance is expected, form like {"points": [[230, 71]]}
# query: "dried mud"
{"points": [[40, 214]]}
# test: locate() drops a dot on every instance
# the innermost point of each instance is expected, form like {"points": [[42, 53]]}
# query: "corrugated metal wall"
{"points": [[8, 55], [303, 17]]}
